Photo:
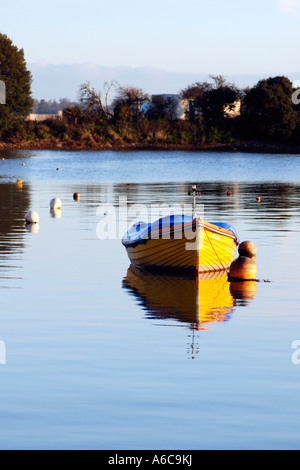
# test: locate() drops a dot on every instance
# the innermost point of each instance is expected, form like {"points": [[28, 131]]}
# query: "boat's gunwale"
{"points": [[158, 234]]}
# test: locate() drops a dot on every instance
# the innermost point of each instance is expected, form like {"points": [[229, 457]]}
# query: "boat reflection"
{"points": [[209, 298]]}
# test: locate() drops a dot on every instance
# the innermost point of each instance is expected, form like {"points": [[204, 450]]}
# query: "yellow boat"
{"points": [[182, 242], [207, 298]]}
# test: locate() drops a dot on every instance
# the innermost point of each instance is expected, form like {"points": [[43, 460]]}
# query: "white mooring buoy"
{"points": [[32, 217], [55, 203]]}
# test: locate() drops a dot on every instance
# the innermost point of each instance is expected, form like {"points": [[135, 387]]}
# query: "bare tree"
{"points": [[107, 89], [192, 92], [92, 101], [219, 81]]}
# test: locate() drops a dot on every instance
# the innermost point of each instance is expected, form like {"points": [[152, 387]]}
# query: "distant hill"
{"points": [[52, 82]]}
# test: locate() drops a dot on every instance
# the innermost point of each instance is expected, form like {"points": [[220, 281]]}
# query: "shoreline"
{"points": [[244, 147]]}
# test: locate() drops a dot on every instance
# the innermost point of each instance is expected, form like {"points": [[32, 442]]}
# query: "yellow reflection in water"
{"points": [[197, 301]]}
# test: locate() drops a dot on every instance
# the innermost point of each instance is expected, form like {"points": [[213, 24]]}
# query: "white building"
{"points": [[233, 110], [44, 117]]}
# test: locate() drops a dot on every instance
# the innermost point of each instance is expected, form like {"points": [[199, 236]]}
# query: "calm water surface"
{"points": [[95, 355]]}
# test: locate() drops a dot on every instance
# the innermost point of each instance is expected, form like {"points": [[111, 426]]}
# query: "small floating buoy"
{"points": [[228, 193], [247, 249], [76, 196], [55, 203], [19, 183], [3, 158], [23, 164], [258, 198], [243, 268], [57, 169], [32, 217]]}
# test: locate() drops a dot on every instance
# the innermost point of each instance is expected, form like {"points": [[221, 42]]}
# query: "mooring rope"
{"points": [[214, 249]]}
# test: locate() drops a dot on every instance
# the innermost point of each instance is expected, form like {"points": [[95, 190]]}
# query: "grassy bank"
{"points": [[141, 134], [245, 147]]}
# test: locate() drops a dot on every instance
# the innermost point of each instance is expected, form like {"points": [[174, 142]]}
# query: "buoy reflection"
{"points": [[243, 291], [56, 213], [32, 227]]}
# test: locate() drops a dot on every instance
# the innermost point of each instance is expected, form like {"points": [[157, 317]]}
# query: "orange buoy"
{"points": [[247, 249], [243, 268], [258, 198], [228, 193], [23, 164], [19, 183], [76, 196]]}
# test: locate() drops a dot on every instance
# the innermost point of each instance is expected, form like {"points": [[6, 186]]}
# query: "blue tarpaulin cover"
{"points": [[141, 231]]}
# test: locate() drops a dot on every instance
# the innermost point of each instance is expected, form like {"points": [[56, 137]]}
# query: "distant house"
{"points": [[44, 117], [174, 106], [233, 110]]}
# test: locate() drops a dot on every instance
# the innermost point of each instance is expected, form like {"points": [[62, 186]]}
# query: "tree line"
{"points": [[266, 112], [51, 106]]}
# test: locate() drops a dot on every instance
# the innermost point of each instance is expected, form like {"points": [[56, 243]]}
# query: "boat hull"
{"points": [[198, 246]]}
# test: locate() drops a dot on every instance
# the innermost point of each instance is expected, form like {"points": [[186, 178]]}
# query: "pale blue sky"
{"points": [[211, 36]]}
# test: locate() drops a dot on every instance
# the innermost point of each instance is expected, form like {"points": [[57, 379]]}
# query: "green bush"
{"points": [[57, 128], [42, 131]]}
